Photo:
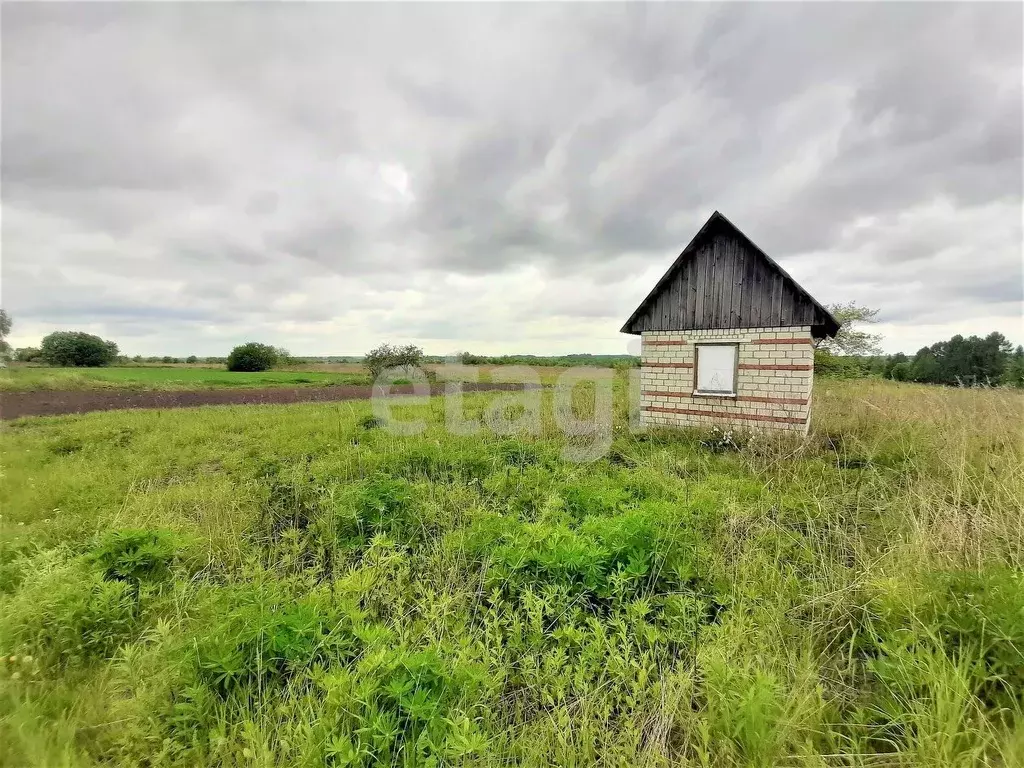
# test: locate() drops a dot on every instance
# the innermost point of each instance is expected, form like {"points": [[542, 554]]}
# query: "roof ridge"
{"points": [[831, 327]]}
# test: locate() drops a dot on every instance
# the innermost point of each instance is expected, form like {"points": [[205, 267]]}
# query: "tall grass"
{"points": [[297, 586]]}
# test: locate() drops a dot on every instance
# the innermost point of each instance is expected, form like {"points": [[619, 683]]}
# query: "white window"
{"points": [[716, 369]]}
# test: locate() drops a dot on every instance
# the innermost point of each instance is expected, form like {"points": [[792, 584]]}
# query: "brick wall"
{"points": [[773, 380]]}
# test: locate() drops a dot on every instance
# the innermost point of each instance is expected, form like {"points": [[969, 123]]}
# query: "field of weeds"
{"points": [[296, 585]]}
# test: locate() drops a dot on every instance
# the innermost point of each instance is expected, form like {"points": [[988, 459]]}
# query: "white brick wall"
{"points": [[773, 384]]}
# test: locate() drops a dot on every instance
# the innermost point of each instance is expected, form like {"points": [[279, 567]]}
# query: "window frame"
{"points": [[697, 392]]}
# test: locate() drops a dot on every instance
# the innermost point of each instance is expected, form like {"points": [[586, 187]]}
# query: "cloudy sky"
{"points": [[498, 178]]}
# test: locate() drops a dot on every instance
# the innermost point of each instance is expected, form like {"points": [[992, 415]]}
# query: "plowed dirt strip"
{"points": [[14, 405]]}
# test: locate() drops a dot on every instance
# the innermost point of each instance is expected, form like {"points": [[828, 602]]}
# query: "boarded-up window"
{"points": [[716, 369]]}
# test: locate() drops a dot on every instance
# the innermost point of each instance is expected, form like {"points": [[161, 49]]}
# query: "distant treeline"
{"points": [[605, 361], [959, 362]]}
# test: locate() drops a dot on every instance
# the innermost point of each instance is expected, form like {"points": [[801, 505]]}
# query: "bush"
{"points": [[135, 556], [390, 356], [284, 357], [837, 366], [28, 355], [252, 357], [75, 348], [901, 371]]}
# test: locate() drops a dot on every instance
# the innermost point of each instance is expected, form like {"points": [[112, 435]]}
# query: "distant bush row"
{"points": [[601, 361], [965, 362], [85, 350]]}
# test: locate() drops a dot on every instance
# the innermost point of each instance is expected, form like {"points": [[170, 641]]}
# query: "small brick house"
{"points": [[727, 338]]}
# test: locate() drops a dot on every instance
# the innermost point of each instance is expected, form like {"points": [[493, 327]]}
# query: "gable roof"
{"points": [[731, 259]]}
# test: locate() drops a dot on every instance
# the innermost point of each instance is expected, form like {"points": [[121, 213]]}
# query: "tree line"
{"points": [[85, 350], [971, 361]]}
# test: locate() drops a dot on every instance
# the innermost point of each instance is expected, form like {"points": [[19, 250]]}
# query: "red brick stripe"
{"points": [[664, 343], [783, 400], [666, 365], [740, 399], [727, 415], [782, 341], [774, 367]]}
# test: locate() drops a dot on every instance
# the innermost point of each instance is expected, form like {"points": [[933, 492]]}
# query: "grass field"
{"points": [[295, 585], [25, 378]]}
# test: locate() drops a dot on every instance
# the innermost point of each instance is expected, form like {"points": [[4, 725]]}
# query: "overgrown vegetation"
{"points": [[298, 586]]}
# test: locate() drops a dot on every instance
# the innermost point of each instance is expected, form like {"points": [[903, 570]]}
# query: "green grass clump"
{"points": [[296, 585]]}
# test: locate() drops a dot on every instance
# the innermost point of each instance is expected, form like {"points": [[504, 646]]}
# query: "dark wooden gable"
{"points": [[722, 280]]}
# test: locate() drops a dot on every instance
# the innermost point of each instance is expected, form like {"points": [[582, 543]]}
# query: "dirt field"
{"points": [[14, 405]]}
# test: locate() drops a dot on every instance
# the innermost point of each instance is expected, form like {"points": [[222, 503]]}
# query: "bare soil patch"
{"points": [[14, 405]]}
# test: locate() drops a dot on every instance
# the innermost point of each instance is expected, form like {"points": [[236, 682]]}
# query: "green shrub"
{"points": [[608, 558], [75, 348], [371, 422], [135, 556], [833, 366], [252, 357], [378, 505], [384, 503], [404, 707], [69, 613], [901, 372], [265, 636]]}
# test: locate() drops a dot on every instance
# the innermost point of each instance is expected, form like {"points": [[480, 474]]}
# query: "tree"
{"points": [[963, 361], [925, 367], [76, 348], [252, 356], [849, 340], [891, 362], [1013, 374], [5, 329], [191, 359], [284, 357], [901, 371], [28, 354], [391, 356], [833, 366]]}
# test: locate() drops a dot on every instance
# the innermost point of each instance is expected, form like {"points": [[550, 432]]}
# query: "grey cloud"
{"points": [[239, 153]]}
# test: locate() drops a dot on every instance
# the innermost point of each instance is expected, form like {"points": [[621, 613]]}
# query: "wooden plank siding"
{"points": [[722, 280]]}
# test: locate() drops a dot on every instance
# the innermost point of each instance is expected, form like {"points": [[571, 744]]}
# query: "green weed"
{"points": [[296, 585]]}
